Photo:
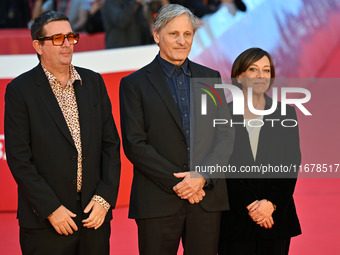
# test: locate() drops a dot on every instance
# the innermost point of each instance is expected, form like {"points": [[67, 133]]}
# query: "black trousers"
{"points": [[82, 242], [256, 247], [198, 229]]}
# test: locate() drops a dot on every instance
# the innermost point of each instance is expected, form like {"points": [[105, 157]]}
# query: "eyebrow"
{"points": [[257, 65], [177, 31]]}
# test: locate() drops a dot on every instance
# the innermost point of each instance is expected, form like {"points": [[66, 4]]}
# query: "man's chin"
{"points": [[67, 61], [181, 59]]}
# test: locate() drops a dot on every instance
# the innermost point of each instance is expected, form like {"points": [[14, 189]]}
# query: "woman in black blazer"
{"points": [[262, 217]]}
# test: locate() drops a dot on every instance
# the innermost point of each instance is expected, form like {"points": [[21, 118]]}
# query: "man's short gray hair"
{"points": [[168, 12]]}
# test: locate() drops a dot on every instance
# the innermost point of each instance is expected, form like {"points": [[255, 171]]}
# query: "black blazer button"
{"points": [[74, 181], [74, 157], [35, 212]]}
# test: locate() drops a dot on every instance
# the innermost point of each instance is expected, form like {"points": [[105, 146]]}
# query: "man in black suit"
{"points": [[169, 200], [62, 148]]}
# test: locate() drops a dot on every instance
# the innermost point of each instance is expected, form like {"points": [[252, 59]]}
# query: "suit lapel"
{"points": [[244, 139], [265, 133], [48, 98], [158, 81], [82, 96]]}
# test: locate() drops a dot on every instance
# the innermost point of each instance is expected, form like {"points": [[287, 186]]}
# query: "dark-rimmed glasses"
{"points": [[59, 39]]}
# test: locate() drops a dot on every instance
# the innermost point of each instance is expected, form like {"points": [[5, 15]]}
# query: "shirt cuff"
{"points": [[102, 202]]}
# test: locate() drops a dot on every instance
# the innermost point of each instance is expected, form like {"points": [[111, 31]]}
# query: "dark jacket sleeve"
{"points": [[40, 195], [135, 139], [282, 189], [211, 145]]}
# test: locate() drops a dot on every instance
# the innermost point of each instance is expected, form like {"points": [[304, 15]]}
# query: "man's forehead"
{"points": [[57, 25], [174, 22]]}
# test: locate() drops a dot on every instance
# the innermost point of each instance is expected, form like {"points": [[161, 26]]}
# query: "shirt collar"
{"points": [[169, 68], [74, 75]]}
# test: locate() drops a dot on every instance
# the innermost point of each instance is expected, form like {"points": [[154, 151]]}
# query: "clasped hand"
{"points": [[261, 213], [191, 187], [61, 219]]}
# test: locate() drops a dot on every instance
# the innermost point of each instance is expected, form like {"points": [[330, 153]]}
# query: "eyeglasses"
{"points": [[59, 39]]}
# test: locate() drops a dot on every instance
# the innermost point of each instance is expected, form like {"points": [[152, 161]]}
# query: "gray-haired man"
{"points": [[167, 200]]}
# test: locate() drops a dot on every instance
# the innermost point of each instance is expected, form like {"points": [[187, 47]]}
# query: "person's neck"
{"points": [[258, 101], [62, 73]]}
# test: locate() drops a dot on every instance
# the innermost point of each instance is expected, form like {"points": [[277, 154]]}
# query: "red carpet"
{"points": [[123, 234], [318, 208], [317, 200]]}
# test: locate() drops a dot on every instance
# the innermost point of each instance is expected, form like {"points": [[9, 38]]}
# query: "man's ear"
{"points": [[37, 46], [156, 36]]}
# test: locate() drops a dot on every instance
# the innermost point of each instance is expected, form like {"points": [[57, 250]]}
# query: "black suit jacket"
{"points": [[154, 141], [41, 153], [276, 146]]}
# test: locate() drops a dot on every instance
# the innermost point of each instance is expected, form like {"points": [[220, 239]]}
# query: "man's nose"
{"points": [[180, 39], [66, 42]]}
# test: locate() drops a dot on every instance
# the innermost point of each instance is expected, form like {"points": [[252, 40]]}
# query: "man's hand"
{"points": [[196, 198], [61, 220], [191, 187], [97, 215], [261, 213]]}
